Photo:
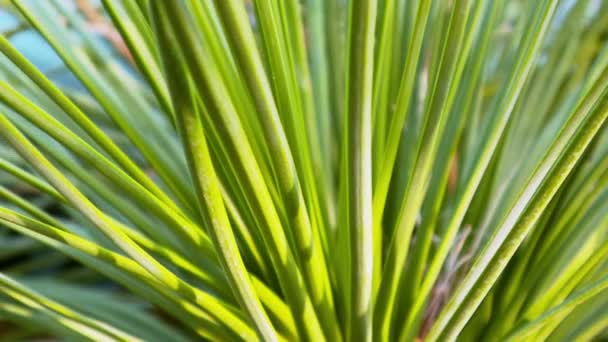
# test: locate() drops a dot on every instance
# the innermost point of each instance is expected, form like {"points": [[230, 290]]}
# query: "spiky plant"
{"points": [[385, 170]]}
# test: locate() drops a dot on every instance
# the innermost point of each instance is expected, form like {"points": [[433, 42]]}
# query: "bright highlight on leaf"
{"points": [[339, 170]]}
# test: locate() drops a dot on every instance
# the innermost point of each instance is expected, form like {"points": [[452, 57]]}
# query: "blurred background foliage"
{"points": [[45, 270]]}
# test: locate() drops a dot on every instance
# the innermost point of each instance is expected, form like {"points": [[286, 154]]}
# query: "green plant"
{"points": [[325, 170]]}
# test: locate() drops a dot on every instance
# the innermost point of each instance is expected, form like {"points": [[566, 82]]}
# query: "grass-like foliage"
{"points": [[315, 170]]}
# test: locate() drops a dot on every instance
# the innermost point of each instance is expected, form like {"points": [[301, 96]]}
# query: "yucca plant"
{"points": [[317, 170]]}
